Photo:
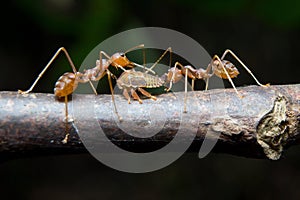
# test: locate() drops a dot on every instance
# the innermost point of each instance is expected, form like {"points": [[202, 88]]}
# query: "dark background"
{"points": [[265, 34]]}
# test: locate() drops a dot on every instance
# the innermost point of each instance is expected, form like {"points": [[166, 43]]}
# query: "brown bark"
{"points": [[260, 125]]}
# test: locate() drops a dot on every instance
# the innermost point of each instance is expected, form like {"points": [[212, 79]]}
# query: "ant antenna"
{"points": [[161, 57], [144, 67], [136, 47], [144, 59]]}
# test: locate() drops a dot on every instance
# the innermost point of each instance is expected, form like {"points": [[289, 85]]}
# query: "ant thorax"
{"points": [[119, 59]]}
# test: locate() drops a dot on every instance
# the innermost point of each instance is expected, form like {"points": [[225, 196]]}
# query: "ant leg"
{"points": [[147, 94], [193, 84], [135, 96], [92, 86], [126, 95], [230, 80], [208, 69], [82, 78], [144, 58], [176, 75], [185, 90], [206, 83], [101, 62], [109, 74], [65, 140], [47, 66], [172, 78], [67, 117], [66, 109], [161, 57], [248, 70]]}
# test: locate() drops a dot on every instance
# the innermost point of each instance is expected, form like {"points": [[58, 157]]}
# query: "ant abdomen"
{"points": [[228, 66], [65, 85]]}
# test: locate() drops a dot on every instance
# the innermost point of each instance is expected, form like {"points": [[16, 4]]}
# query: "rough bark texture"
{"points": [[260, 125]]}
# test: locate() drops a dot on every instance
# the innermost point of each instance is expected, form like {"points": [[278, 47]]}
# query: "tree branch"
{"points": [[261, 125]]}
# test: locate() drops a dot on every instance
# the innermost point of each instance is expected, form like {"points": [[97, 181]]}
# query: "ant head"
{"points": [[174, 75], [218, 68], [119, 59]]}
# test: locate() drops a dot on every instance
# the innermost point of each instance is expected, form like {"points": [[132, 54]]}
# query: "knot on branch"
{"points": [[276, 127]]}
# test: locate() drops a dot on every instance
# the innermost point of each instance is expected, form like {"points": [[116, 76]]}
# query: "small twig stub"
{"points": [[275, 128]]}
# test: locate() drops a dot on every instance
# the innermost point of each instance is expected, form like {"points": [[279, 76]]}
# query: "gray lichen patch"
{"points": [[275, 128], [227, 126]]}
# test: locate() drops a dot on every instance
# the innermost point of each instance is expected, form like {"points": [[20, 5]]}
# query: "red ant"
{"points": [[68, 82], [220, 67]]}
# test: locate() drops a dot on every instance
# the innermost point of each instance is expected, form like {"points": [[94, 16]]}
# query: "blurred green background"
{"points": [[265, 34]]}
